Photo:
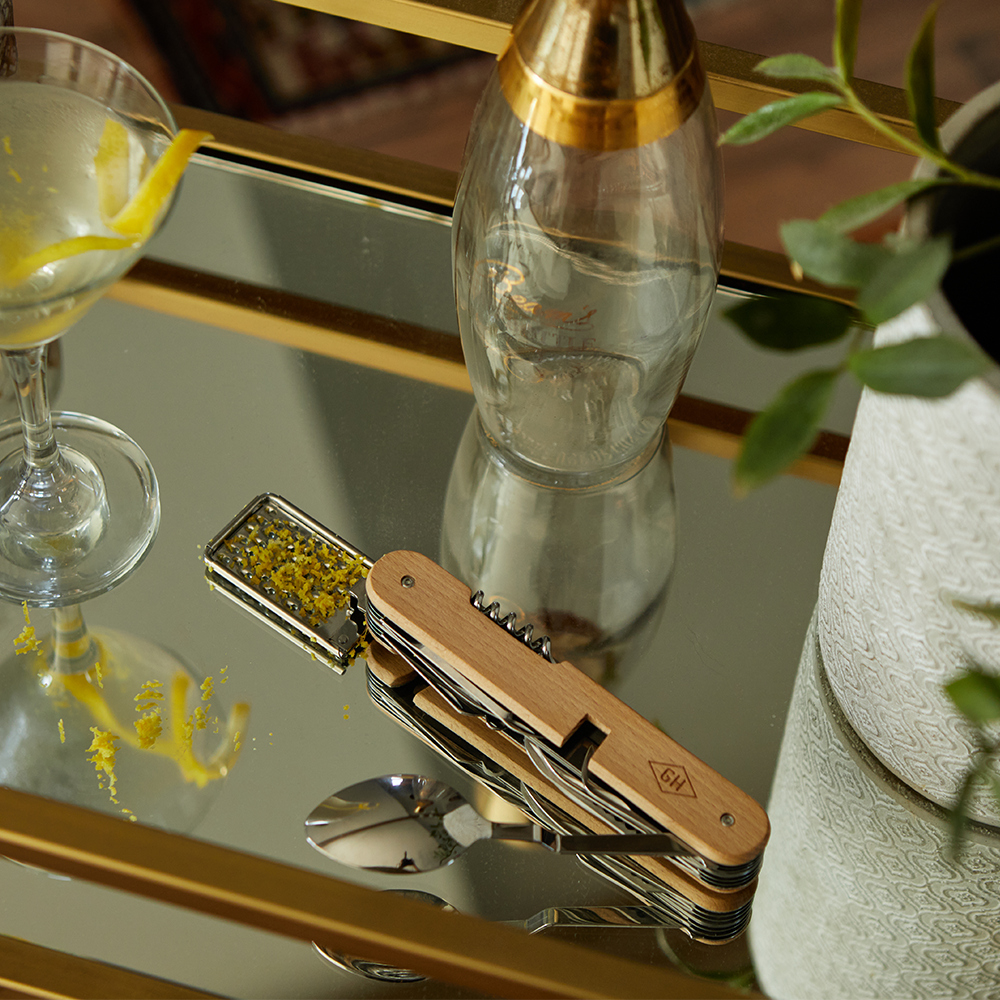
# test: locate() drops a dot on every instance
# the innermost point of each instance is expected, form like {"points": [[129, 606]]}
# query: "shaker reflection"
{"points": [[111, 721], [588, 567]]}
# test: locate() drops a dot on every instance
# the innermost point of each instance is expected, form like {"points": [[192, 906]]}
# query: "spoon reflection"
{"points": [[553, 916]]}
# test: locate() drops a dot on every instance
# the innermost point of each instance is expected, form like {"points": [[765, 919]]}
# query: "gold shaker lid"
{"points": [[602, 74]]}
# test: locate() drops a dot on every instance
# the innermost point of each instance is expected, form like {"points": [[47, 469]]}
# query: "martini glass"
{"points": [[79, 504]]}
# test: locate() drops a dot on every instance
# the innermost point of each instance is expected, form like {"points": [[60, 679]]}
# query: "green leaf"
{"points": [[986, 610], [994, 782], [845, 39], [920, 81], [829, 256], [856, 212], [778, 114], [905, 277], [784, 431], [796, 66], [958, 815], [976, 694], [791, 322], [926, 366]]}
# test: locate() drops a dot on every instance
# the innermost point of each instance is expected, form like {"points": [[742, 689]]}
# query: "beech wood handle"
{"points": [[649, 769], [392, 670]]}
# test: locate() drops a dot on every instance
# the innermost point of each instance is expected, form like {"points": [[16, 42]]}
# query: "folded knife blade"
{"points": [[302, 579]]}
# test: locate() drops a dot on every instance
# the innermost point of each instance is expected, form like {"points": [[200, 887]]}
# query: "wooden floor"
{"points": [[789, 175]]}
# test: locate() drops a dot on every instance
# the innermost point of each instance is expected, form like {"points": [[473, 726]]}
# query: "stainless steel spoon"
{"points": [[552, 916], [408, 823]]}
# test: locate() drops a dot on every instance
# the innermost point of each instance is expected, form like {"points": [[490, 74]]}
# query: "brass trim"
{"points": [[305, 905], [773, 270], [30, 970], [413, 351], [300, 153], [716, 429], [475, 24], [296, 321], [585, 123], [485, 25], [737, 87]]}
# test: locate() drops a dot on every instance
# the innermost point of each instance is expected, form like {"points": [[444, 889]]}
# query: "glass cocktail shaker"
{"points": [[587, 232]]}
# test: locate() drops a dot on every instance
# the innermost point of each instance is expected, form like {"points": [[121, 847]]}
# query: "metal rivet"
{"points": [[407, 581], [727, 819]]}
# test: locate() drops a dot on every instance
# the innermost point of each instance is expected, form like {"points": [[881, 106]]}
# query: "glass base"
{"points": [[51, 560]]}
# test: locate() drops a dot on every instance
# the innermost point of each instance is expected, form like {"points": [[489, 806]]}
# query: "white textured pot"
{"points": [[917, 523], [858, 896]]}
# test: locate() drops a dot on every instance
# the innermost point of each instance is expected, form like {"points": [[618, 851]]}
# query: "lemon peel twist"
{"points": [[135, 220]]}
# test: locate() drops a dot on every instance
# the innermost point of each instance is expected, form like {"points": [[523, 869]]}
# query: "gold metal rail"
{"points": [[484, 25], [29, 970], [302, 904]]}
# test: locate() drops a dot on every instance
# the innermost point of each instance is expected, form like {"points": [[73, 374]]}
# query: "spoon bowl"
{"points": [[408, 823], [599, 917], [399, 823], [379, 971]]}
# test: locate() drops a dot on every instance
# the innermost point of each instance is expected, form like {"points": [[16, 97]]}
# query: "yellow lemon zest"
{"points": [[139, 215], [148, 727], [105, 752], [27, 266], [112, 169], [26, 642], [136, 218], [177, 743]]}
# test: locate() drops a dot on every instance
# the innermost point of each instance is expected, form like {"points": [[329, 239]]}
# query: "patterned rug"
{"points": [[256, 59]]}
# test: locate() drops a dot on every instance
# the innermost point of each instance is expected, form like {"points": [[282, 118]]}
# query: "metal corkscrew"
{"points": [[542, 645]]}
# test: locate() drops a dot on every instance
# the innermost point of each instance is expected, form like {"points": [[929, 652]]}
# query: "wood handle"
{"points": [[650, 770], [392, 670]]}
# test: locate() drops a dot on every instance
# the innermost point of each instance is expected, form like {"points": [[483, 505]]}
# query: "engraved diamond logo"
{"points": [[673, 779]]}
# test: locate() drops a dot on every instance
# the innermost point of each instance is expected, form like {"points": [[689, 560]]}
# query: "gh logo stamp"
{"points": [[673, 779]]}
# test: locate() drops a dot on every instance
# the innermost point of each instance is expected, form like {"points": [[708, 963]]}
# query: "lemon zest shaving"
{"points": [[26, 642], [177, 744], [105, 753]]}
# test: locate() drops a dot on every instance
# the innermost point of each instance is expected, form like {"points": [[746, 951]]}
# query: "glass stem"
{"points": [[74, 651], [27, 370]]}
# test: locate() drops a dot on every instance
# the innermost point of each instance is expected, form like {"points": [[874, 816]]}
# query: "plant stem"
{"points": [[917, 149], [977, 248]]}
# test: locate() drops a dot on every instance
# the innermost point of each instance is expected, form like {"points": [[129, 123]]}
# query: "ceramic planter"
{"points": [[916, 525], [858, 895]]}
